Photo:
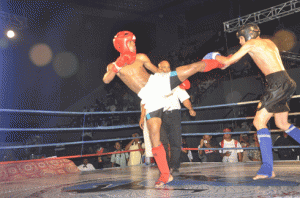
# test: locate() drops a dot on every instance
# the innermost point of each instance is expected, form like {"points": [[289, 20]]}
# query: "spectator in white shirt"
{"points": [[119, 159], [234, 155], [86, 166]]}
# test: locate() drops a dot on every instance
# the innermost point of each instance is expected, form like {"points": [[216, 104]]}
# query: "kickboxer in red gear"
{"points": [[152, 89]]}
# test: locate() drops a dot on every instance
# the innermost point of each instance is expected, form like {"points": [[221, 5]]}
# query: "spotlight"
{"points": [[10, 34]]}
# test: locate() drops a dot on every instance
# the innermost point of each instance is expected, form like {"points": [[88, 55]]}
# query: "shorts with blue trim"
{"points": [[155, 114], [158, 87]]}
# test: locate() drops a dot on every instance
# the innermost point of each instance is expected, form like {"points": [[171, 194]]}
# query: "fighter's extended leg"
{"points": [[159, 152], [264, 136], [184, 72]]}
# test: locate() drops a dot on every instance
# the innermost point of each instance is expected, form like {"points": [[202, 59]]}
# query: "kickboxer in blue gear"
{"points": [[278, 92], [131, 67]]}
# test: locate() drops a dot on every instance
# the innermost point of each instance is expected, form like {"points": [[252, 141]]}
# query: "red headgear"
{"points": [[121, 41]]}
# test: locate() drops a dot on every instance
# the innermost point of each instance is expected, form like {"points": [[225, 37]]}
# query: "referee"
{"points": [[170, 133]]}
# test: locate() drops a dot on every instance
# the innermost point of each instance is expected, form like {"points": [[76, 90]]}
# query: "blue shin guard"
{"points": [[294, 132], [265, 142]]}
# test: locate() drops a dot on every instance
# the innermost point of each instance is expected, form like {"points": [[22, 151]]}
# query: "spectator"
{"points": [[243, 127], [244, 140], [107, 157], [100, 150], [285, 153], [185, 155], [119, 159], [86, 166], [209, 155], [135, 157], [254, 155], [234, 155]]}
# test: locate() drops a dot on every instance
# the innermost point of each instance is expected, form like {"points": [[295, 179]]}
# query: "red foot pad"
{"points": [[212, 64], [159, 155]]}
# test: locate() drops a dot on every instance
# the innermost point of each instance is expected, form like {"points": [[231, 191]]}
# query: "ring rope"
{"points": [[70, 129], [67, 143], [127, 126], [82, 134], [65, 112], [119, 139], [119, 126], [126, 112], [222, 133], [71, 156], [246, 148]]}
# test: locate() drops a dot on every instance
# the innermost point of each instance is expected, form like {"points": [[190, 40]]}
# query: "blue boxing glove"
{"points": [[212, 55]]}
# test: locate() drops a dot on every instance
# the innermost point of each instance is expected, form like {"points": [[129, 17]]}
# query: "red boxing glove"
{"points": [[185, 84], [130, 58], [122, 61]]}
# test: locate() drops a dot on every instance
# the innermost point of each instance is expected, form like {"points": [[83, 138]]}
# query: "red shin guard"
{"points": [[159, 155], [211, 64]]}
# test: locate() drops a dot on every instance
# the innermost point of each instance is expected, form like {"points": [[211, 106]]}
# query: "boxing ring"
{"points": [[59, 177]]}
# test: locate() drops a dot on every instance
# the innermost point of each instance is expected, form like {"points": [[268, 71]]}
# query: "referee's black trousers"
{"points": [[171, 133]]}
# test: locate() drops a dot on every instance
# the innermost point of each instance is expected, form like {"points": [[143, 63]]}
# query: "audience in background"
{"points": [[107, 157], [209, 155], [100, 150], [245, 142], [285, 153], [254, 154], [86, 166], [119, 159], [135, 157], [234, 155], [185, 155], [243, 127]]}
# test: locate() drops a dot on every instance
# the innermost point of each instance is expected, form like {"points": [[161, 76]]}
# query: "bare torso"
{"points": [[266, 56], [135, 75]]}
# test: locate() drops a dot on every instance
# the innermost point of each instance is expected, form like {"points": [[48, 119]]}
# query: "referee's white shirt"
{"points": [[172, 102]]}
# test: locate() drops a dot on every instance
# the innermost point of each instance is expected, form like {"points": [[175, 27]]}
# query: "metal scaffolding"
{"points": [[262, 16], [290, 56], [11, 20]]}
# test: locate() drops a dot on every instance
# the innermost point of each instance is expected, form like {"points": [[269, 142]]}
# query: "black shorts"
{"points": [[155, 114], [278, 92]]}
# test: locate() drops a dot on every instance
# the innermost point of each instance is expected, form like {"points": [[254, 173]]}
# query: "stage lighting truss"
{"points": [[11, 20], [290, 56], [262, 16]]}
